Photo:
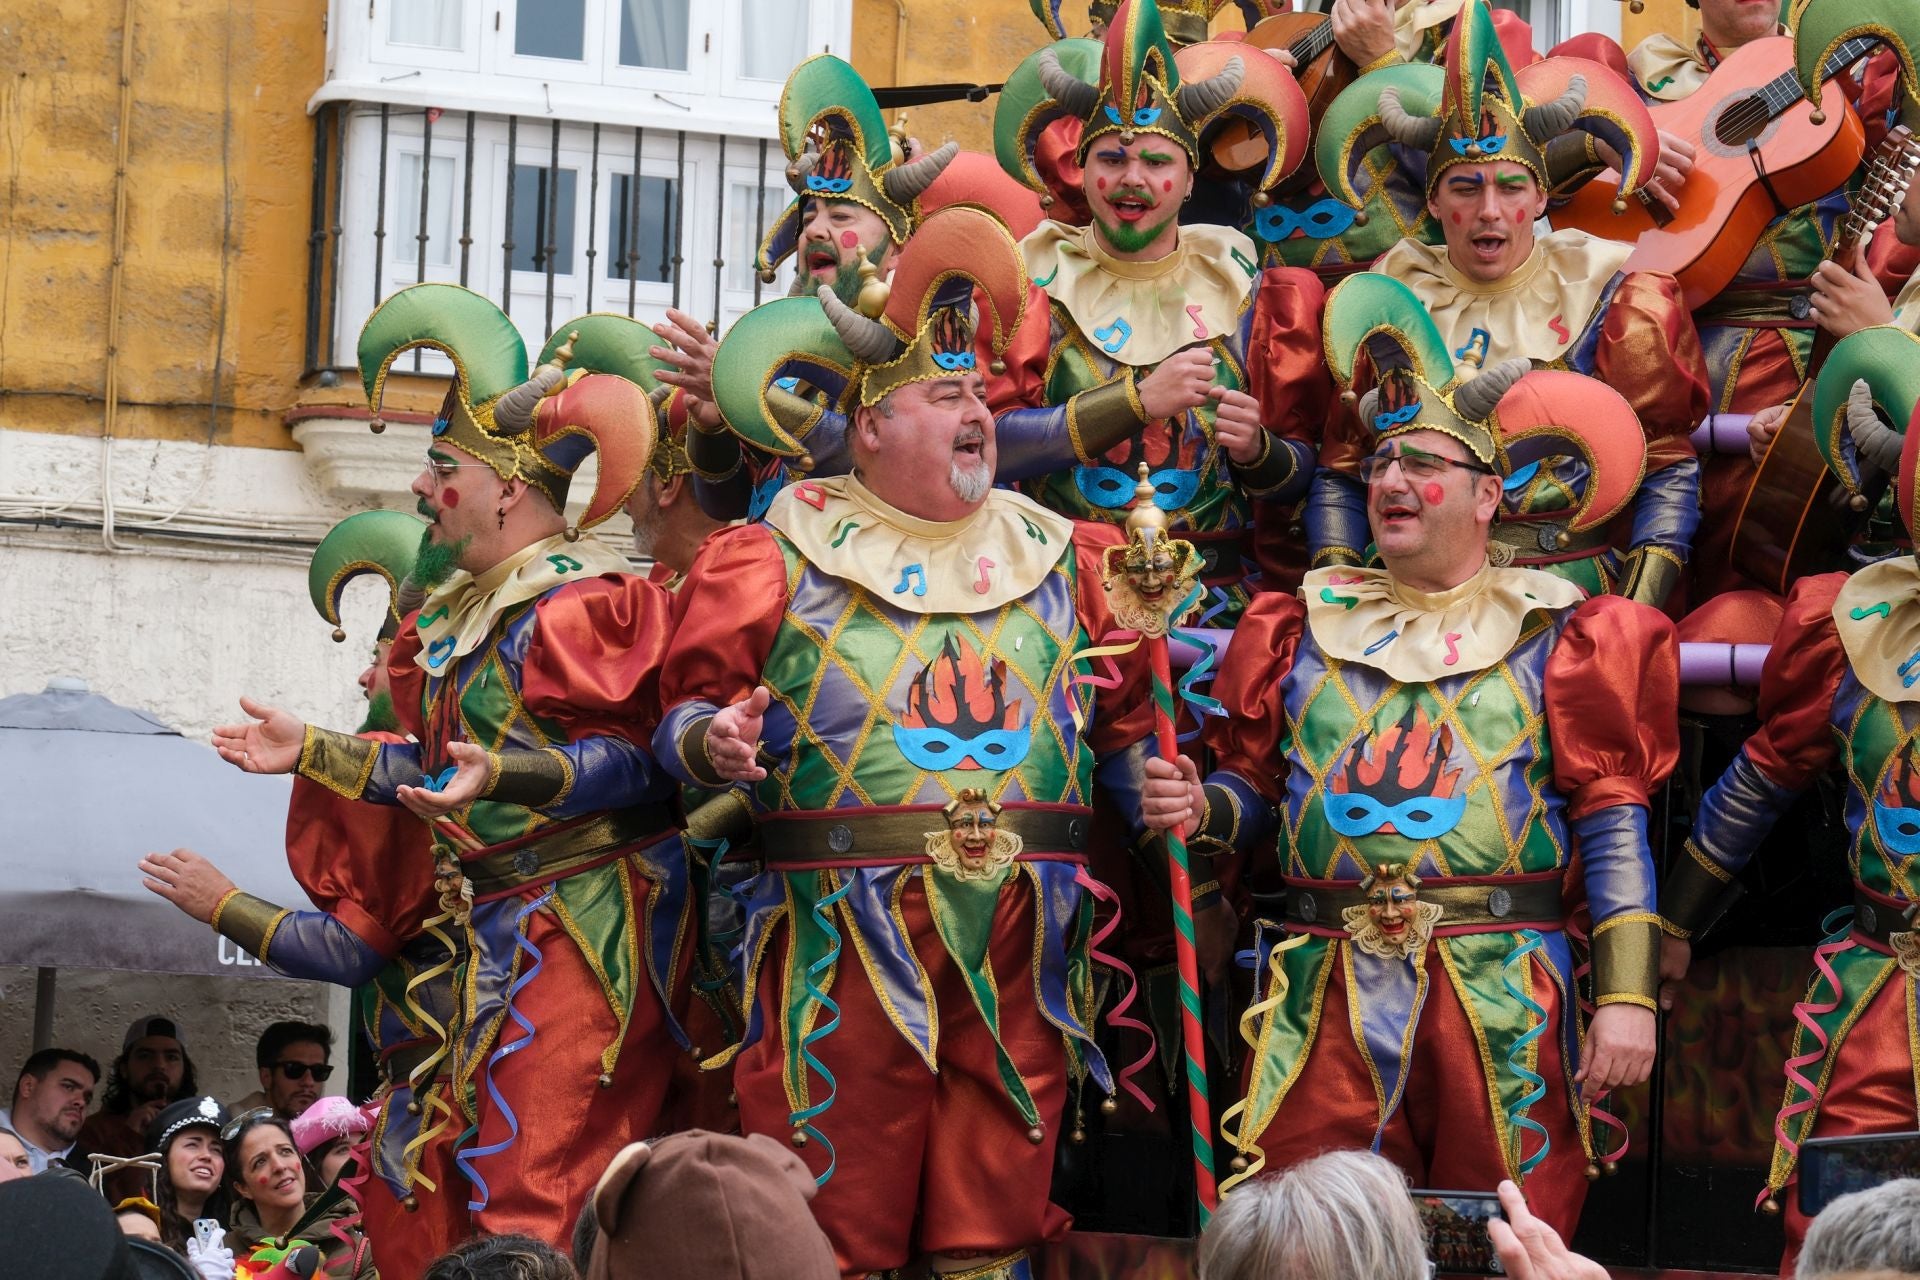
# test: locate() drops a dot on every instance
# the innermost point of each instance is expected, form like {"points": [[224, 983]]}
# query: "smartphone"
{"points": [[1832, 1167], [204, 1230], [1456, 1227]]}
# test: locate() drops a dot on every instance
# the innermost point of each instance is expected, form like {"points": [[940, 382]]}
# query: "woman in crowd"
{"points": [[186, 1134], [326, 1133], [269, 1178]]}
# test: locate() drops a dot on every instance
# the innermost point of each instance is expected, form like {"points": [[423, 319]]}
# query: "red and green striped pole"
{"points": [[1186, 954]]}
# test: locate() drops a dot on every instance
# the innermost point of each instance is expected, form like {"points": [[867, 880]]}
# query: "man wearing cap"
{"points": [[1435, 741], [153, 1069], [886, 662], [50, 1100], [1153, 342], [1497, 292], [527, 680]]}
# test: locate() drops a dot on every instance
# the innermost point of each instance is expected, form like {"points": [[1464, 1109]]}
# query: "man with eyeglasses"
{"points": [[294, 1062], [1433, 742]]}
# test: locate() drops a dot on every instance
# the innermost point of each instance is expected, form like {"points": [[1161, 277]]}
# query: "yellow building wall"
{"points": [[217, 105]]}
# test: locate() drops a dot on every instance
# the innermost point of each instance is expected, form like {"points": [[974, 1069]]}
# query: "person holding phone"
{"points": [[274, 1208]]}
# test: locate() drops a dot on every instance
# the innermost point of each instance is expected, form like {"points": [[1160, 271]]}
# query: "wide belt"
{"points": [[556, 853], [1876, 918], [1469, 904], [398, 1062], [896, 834], [1547, 541], [1221, 552], [1784, 304]]}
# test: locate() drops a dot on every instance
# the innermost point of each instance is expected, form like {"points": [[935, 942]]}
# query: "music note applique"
{"points": [[846, 531], [565, 564], [426, 620], [1034, 531], [1453, 649], [439, 651], [984, 584], [914, 574], [811, 494], [1474, 350], [1559, 328], [1114, 336], [1657, 85], [1193, 313], [1884, 609], [1247, 264]]}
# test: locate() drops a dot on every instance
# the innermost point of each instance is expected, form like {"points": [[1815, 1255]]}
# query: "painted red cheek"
{"points": [[848, 240], [1456, 218], [449, 498], [1520, 216], [1433, 494], [1102, 183], [1167, 185]]}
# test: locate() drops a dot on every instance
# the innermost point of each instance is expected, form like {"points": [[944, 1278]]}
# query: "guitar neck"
{"points": [[1312, 44], [1783, 90]]}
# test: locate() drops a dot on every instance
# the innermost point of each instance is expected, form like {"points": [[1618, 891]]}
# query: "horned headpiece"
{"points": [[379, 542], [1870, 376]]}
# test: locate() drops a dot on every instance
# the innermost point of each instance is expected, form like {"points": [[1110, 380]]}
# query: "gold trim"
{"points": [[248, 921], [339, 762], [1626, 960]]}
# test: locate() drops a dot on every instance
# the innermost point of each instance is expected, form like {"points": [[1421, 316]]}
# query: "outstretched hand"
{"points": [[472, 774], [689, 351], [187, 880], [269, 743], [733, 737]]}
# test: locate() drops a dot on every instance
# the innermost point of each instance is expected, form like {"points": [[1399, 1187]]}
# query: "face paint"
{"points": [[1433, 495], [849, 240], [449, 497], [1102, 182], [1456, 218], [1167, 185]]}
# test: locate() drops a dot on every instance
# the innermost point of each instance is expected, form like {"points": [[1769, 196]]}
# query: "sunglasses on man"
{"points": [[299, 1070]]}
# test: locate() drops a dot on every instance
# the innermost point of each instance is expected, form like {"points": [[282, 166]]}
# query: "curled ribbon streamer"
{"points": [[1530, 942], [1596, 1112], [716, 849], [1117, 1016], [435, 1112], [1806, 1013], [354, 1188], [465, 1159], [804, 1117], [1106, 673], [1201, 672], [1242, 1142]]}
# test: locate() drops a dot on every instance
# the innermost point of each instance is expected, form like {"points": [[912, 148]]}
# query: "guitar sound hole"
{"points": [[1741, 122]]}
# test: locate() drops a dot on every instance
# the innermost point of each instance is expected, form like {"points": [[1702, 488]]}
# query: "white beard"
{"points": [[970, 483]]}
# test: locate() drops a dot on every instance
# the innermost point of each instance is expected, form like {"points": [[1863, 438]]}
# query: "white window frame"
{"points": [[384, 52], [732, 45]]}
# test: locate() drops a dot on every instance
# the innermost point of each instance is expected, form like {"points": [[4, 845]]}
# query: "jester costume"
{"points": [[917, 963], [568, 876], [1568, 306], [1757, 334], [1433, 765], [1837, 691], [379, 929], [1101, 324]]}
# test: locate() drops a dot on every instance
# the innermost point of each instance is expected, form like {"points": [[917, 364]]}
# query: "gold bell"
{"points": [[606, 1081], [1858, 502], [339, 636], [1817, 116], [798, 1138], [768, 276], [413, 1108], [1349, 397], [1078, 1136], [1770, 1205], [1126, 137], [1238, 1164], [1360, 218], [1563, 540], [996, 366], [376, 424], [873, 290], [1046, 202], [573, 533], [1036, 1135], [1637, 6], [1108, 1106], [1261, 199], [1592, 1172], [1619, 206], [410, 1202], [805, 462], [1610, 1167]]}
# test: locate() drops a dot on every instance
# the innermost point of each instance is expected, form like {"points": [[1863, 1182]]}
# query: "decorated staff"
{"points": [[1153, 581]]}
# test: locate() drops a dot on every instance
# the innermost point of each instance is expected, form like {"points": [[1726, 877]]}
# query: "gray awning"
{"points": [[87, 787]]}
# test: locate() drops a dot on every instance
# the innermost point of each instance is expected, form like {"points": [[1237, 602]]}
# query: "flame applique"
{"points": [[1399, 782], [958, 715]]}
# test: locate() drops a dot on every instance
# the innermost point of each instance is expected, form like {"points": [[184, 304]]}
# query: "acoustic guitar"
{"points": [[1752, 158], [1797, 517], [1322, 72]]}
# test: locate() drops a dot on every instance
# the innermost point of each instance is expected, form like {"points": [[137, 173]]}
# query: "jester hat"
{"points": [[960, 256], [1824, 25], [1418, 389], [1186, 21], [609, 342], [838, 148], [1477, 110], [1551, 413], [381, 542], [1871, 374], [536, 428], [1132, 82]]}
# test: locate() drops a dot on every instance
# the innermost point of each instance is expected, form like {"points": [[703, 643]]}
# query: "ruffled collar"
{"points": [[1877, 614], [1364, 616]]}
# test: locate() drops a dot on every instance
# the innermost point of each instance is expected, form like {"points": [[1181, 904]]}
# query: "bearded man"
{"points": [[1438, 739], [881, 662], [527, 679], [1498, 292]]}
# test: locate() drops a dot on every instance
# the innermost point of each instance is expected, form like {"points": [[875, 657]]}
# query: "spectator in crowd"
{"points": [[1341, 1214], [192, 1167], [136, 1219], [502, 1258], [266, 1174], [60, 1229], [14, 1160], [1868, 1232], [293, 1062], [326, 1133], [681, 1207], [1529, 1249], [153, 1069], [50, 1101]]}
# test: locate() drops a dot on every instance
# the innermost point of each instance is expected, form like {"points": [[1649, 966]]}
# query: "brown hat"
{"points": [[707, 1206]]}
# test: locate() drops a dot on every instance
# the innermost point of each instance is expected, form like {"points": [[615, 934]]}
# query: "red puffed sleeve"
{"points": [[593, 662], [1650, 353], [1286, 372], [1024, 383], [1613, 704], [407, 681], [1250, 739], [1054, 160], [1794, 743], [370, 866], [1123, 716], [726, 615]]}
